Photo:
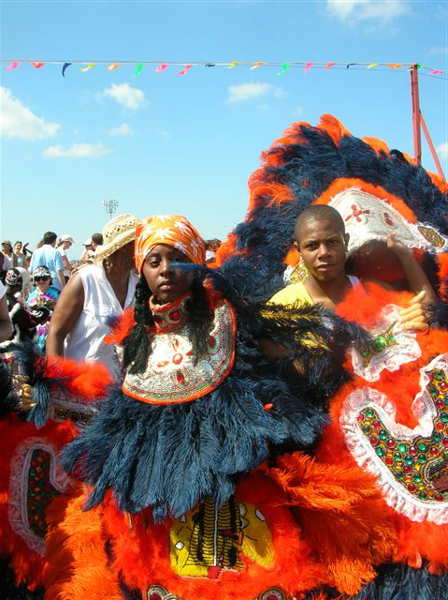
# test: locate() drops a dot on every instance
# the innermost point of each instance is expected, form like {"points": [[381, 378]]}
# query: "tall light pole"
{"points": [[110, 206]]}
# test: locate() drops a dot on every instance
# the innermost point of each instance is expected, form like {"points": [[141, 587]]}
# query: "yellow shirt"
{"points": [[293, 294]]}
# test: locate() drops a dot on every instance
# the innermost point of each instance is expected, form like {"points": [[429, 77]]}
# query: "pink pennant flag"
{"points": [[113, 67], [37, 65], [330, 64], [308, 67], [256, 65], [13, 65], [436, 72], [184, 71], [161, 68]]}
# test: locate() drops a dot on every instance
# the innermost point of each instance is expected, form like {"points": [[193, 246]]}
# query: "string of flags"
{"points": [[160, 67]]}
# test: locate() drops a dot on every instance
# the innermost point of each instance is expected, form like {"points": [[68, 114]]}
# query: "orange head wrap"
{"points": [[171, 230]]}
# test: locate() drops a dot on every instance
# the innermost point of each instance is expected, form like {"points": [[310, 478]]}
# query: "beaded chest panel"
{"points": [[411, 464], [172, 376]]}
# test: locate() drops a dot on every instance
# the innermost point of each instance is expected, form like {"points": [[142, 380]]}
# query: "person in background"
{"points": [[7, 253], [43, 296], [88, 252], [3, 271], [211, 246], [19, 258], [65, 243], [96, 294], [97, 240], [49, 257], [5, 321]]}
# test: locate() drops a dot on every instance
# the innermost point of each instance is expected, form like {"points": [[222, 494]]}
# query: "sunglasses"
{"points": [[37, 279]]}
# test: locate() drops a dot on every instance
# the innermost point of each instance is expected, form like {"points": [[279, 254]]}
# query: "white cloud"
{"points": [[438, 50], [442, 151], [355, 11], [247, 91], [298, 111], [125, 95], [161, 132], [77, 151], [122, 129], [17, 121]]}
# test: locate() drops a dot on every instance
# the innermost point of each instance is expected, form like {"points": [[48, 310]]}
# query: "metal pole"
{"points": [[416, 115], [431, 147]]}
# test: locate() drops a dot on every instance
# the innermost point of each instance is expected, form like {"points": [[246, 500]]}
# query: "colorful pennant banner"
{"points": [[84, 66]]}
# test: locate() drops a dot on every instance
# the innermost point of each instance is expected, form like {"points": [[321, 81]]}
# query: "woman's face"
{"points": [[18, 247], [166, 283], [42, 283], [66, 245]]}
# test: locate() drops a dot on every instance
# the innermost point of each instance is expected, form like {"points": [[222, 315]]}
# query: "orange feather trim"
{"points": [[27, 563], [333, 127], [343, 516], [227, 249], [442, 259], [89, 380], [377, 144], [122, 328], [342, 183], [278, 193], [76, 561]]}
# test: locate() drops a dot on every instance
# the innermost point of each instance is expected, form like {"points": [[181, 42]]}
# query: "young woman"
{"points": [[43, 296]]}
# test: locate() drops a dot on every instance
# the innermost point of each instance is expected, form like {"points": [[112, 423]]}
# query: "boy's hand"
{"points": [[414, 316]]}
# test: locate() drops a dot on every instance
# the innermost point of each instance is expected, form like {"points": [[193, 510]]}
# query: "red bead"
{"points": [[444, 386], [177, 359], [175, 315], [413, 450], [445, 441], [373, 440], [211, 341], [390, 443], [434, 451], [439, 498], [440, 404], [440, 426], [376, 425], [389, 461], [180, 377], [407, 470], [411, 487], [360, 417]]}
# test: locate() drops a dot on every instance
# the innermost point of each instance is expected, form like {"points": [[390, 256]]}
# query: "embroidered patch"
{"points": [[411, 464], [36, 479], [205, 541], [157, 592], [172, 376], [392, 348], [64, 408]]}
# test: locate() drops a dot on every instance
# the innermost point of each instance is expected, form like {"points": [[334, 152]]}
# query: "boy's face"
{"points": [[322, 246]]}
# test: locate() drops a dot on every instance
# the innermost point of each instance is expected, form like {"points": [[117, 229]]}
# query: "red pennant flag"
{"points": [[161, 68], [330, 64], [308, 67], [184, 71], [37, 65]]}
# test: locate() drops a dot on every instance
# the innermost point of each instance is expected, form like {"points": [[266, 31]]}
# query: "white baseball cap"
{"points": [[67, 238], [88, 242]]}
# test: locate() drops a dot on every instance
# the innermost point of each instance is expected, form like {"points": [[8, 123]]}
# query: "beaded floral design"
{"points": [[411, 465]]}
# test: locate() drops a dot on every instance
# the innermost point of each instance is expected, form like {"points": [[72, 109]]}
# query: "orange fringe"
{"points": [[89, 380], [122, 328]]}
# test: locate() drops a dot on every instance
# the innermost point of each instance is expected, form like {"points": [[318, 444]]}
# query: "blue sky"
{"points": [[169, 143]]}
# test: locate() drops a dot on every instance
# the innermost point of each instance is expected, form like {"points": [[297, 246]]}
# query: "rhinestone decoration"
{"points": [[40, 491], [420, 464]]}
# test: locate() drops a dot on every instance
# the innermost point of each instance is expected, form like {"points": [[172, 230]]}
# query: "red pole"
{"points": [[431, 147], [416, 116]]}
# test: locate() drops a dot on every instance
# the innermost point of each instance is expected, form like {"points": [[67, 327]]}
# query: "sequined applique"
{"points": [[36, 478], [205, 541], [171, 375], [411, 464], [432, 236], [158, 592], [62, 408], [392, 347]]}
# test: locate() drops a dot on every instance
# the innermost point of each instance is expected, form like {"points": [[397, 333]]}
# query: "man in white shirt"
{"points": [[48, 256]]}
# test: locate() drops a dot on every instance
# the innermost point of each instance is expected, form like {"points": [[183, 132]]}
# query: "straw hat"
{"points": [[117, 233]]}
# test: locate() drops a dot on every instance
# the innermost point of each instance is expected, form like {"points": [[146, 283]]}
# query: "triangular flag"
{"points": [[436, 72], [88, 67], [161, 68], [308, 67], [330, 64], [395, 65], [285, 67], [138, 70], [233, 64], [209, 65], [64, 68], [113, 67], [372, 65], [13, 65], [256, 65], [350, 65], [37, 65], [184, 71]]}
